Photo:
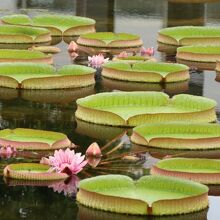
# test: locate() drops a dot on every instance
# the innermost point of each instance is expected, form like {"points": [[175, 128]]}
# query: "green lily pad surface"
{"points": [[178, 135], [190, 35], [31, 139], [109, 39], [7, 55], [32, 171], [146, 71], [21, 34], [198, 169], [44, 76], [66, 25], [150, 195], [135, 108]]}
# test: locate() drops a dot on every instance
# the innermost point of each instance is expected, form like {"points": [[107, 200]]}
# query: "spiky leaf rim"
{"points": [[109, 191], [58, 140], [95, 108], [32, 171], [201, 170]]}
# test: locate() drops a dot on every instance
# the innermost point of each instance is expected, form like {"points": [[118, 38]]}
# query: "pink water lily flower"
{"points": [[66, 161], [147, 51], [73, 47], [123, 54], [7, 151], [96, 61]]}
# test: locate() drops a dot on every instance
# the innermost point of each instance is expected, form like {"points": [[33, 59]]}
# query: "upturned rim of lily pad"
{"points": [[13, 55], [25, 75], [23, 35], [134, 59], [189, 35], [110, 40], [206, 171], [32, 171], [57, 24], [146, 72], [33, 139], [201, 57], [178, 135], [129, 109], [145, 196]]}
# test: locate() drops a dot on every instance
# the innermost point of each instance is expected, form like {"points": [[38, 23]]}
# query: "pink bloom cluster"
{"points": [[147, 51], [66, 161], [7, 151], [96, 61]]}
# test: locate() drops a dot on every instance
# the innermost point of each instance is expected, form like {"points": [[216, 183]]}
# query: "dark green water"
{"points": [[54, 110]]}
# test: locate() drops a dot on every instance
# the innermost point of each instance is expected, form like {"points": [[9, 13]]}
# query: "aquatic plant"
{"points": [[22, 34], [200, 57], [146, 72], [7, 151], [178, 135], [147, 51], [134, 108], [201, 170], [189, 35], [9, 55], [45, 49], [93, 150], [57, 24], [72, 47], [110, 40], [44, 76], [32, 139], [66, 161], [96, 61], [150, 195]]}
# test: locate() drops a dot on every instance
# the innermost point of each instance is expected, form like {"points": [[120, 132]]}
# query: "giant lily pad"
{"points": [[150, 195], [110, 40], [178, 135], [201, 170], [32, 171], [8, 55], [44, 76], [31, 139], [146, 72], [19, 34], [190, 35], [202, 57], [135, 108], [66, 25]]}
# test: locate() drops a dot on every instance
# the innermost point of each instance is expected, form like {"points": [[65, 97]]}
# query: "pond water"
{"points": [[54, 110]]}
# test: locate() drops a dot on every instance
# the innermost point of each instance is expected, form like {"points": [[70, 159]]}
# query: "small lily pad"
{"points": [[32, 171], [201, 170], [31, 139]]}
